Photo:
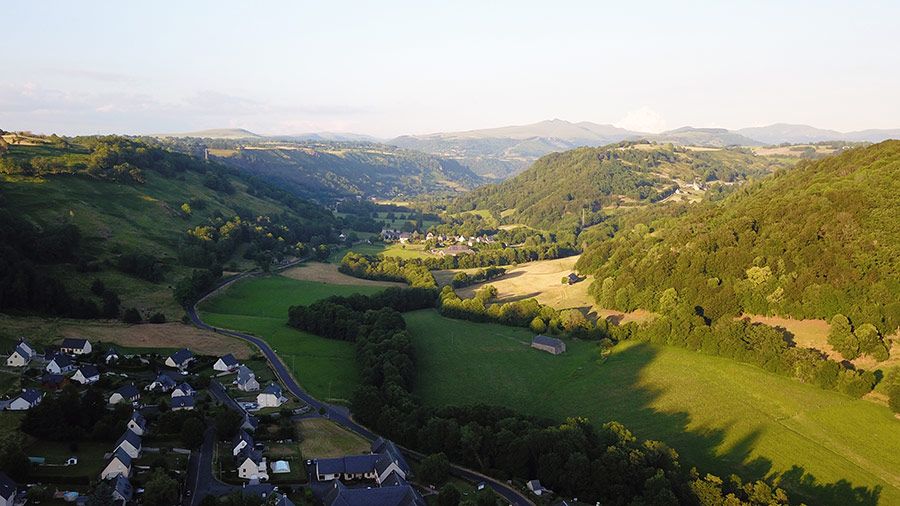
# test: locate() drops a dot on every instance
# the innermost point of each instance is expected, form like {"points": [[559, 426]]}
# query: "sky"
{"points": [[391, 68]]}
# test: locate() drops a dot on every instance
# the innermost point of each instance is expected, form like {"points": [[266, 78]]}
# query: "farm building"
{"points": [[548, 344]]}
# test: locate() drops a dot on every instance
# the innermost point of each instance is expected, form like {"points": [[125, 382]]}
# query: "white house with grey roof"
{"points": [[60, 364], [182, 390], [251, 465], [183, 403], [246, 380], [118, 465], [75, 346], [127, 393], [241, 440], [21, 355], [122, 490], [271, 397], [86, 374], [137, 423], [226, 363], [180, 359], [26, 400]]}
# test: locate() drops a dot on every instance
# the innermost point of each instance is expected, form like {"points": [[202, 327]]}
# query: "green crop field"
{"points": [[390, 250], [325, 368], [720, 415]]}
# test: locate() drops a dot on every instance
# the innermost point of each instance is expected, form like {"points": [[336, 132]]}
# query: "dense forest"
{"points": [[561, 189], [816, 241]]}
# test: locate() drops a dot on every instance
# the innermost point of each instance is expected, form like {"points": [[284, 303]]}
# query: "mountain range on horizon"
{"points": [[501, 152]]}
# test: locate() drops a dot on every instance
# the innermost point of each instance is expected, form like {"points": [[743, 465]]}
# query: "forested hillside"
{"points": [[562, 188], [93, 226], [325, 171], [816, 241]]}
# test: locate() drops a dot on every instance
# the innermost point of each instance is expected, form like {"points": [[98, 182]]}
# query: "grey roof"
{"points": [[182, 355], [248, 452], [386, 446], [31, 395], [184, 387], [183, 401], [273, 389], [547, 341], [353, 464], [132, 438], [393, 480], [89, 371], [262, 490], [250, 422], [122, 456], [402, 495], [24, 350], [62, 360], [244, 374], [165, 380], [111, 352], [123, 487], [242, 436], [128, 391], [284, 501], [7, 486], [139, 419], [229, 360], [75, 343]]}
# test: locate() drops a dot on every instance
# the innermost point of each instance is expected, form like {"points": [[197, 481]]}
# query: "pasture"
{"points": [[325, 368], [388, 250], [720, 415]]}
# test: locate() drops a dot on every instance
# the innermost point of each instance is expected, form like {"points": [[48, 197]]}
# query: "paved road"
{"points": [[200, 478], [510, 494]]}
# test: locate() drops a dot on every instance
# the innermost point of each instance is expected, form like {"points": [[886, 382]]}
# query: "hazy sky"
{"points": [[389, 68]]}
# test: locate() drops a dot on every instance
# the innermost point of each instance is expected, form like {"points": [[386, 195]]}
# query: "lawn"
{"points": [[390, 250], [322, 438], [325, 368], [720, 415], [90, 458]]}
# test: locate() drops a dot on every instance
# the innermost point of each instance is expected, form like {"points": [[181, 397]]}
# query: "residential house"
{"points": [[60, 364], [183, 403], [384, 464], [21, 355], [74, 346], [401, 494], [122, 490], [250, 422], [180, 359], [404, 237], [7, 490], [118, 465], [251, 465], [282, 500], [86, 374], [162, 383], [246, 380], [137, 423], [551, 345], [26, 400], [241, 440], [572, 278], [390, 235], [130, 443], [391, 460], [111, 356], [226, 363], [271, 397], [182, 390], [127, 393], [536, 487]]}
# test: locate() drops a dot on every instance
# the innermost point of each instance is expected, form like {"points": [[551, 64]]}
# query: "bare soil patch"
{"points": [[328, 273], [165, 335]]}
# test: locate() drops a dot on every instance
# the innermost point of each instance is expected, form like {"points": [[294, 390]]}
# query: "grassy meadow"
{"points": [[259, 306], [720, 415]]}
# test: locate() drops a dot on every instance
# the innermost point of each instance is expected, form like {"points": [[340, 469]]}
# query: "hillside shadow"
{"points": [[632, 403]]}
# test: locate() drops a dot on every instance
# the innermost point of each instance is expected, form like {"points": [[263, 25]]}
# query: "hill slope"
{"points": [[328, 170], [215, 133], [504, 151], [555, 191], [811, 242], [136, 217]]}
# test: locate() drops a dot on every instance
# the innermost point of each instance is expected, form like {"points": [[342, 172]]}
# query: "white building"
{"points": [[226, 363], [74, 346], [86, 374], [119, 465], [26, 400], [271, 397], [21, 355], [60, 364], [137, 424], [246, 380], [251, 465], [130, 443]]}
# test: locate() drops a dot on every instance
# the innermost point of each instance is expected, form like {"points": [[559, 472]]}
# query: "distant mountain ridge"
{"points": [[214, 133]]}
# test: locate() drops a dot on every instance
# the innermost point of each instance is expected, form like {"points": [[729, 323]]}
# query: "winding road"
{"points": [[512, 495]]}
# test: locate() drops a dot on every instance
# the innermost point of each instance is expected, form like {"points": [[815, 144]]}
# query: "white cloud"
{"points": [[643, 119]]}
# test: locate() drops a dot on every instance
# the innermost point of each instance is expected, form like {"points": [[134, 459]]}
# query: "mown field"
{"points": [[259, 306], [720, 415], [390, 250]]}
